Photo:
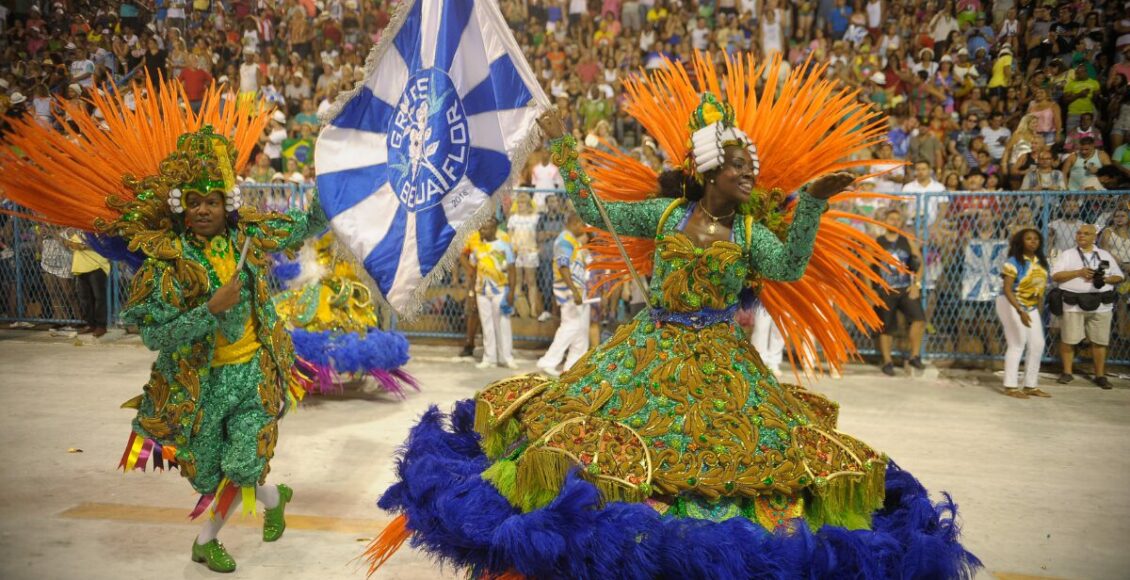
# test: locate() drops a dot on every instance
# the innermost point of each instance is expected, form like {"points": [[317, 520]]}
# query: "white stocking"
{"points": [[213, 523], [268, 495]]}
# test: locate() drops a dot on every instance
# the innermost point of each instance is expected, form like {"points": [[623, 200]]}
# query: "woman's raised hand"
{"points": [[550, 122], [830, 184]]}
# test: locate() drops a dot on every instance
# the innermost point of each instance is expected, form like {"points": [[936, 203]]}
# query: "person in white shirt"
{"points": [[546, 178], [249, 77], [558, 87], [82, 68], [250, 41], [495, 275], [964, 67], [996, 135], [700, 35], [925, 184], [647, 38], [273, 146], [772, 32], [175, 17], [1086, 277], [577, 8], [569, 278], [298, 88]]}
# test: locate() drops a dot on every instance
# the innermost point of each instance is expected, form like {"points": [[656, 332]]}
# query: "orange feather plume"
{"points": [[804, 127], [387, 543], [65, 177]]}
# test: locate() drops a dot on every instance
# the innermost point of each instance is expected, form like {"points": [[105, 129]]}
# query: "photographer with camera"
{"points": [[1086, 277]]}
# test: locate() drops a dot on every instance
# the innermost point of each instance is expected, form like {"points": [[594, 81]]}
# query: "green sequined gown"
{"points": [[677, 409]]}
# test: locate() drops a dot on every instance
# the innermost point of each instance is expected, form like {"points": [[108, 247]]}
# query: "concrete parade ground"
{"points": [[1041, 483]]}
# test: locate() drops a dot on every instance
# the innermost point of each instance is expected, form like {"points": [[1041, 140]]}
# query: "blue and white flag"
{"points": [[981, 273], [408, 159]]}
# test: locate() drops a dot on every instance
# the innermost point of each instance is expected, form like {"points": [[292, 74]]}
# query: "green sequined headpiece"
{"points": [[210, 156], [202, 163], [710, 111]]}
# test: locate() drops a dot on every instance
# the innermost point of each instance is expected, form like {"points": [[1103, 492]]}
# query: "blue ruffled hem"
{"points": [[461, 519], [349, 352]]}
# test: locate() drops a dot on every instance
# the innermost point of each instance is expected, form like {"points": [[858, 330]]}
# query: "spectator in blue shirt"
{"points": [[838, 20]]}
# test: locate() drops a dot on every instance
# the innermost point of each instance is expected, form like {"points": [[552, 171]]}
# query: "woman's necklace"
{"points": [[713, 227]]}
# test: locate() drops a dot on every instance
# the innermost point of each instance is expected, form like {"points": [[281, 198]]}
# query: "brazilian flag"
{"points": [[300, 150]]}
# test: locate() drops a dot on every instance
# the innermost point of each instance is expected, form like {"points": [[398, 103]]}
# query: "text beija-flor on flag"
{"points": [[408, 159]]}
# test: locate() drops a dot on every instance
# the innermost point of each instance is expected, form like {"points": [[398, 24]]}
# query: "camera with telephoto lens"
{"points": [[1099, 278]]}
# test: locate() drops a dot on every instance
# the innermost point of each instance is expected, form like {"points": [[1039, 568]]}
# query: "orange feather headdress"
{"points": [[98, 172], [803, 127]]}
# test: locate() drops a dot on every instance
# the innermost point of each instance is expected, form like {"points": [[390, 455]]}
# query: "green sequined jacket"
{"points": [[168, 302], [768, 256]]}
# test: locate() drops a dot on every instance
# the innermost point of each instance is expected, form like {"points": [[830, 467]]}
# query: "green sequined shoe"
{"points": [[214, 555], [274, 524]]}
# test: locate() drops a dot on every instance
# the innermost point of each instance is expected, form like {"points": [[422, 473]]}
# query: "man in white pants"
{"points": [[495, 273], [569, 278], [767, 340]]}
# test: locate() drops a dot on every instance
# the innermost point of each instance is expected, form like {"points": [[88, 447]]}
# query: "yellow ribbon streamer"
{"points": [[249, 500], [134, 453]]}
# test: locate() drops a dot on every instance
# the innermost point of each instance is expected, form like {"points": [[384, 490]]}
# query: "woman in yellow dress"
{"points": [[334, 324]]}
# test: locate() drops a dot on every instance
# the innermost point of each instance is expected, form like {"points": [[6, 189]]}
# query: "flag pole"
{"points": [[620, 245], [636, 278]]}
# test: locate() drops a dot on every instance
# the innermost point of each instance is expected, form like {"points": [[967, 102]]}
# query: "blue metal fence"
{"points": [[963, 238]]}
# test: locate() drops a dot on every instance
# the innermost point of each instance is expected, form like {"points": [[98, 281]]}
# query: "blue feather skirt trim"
{"points": [[461, 519], [379, 354]]}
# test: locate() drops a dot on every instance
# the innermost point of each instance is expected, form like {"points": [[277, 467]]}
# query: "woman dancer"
{"points": [[669, 450], [334, 324], [1025, 276]]}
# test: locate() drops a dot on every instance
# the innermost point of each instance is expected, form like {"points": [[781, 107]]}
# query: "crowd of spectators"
{"points": [[981, 96]]}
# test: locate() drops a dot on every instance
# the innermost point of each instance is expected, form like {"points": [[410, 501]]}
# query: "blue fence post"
{"points": [[921, 227], [17, 244], [112, 306], [1045, 213]]}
